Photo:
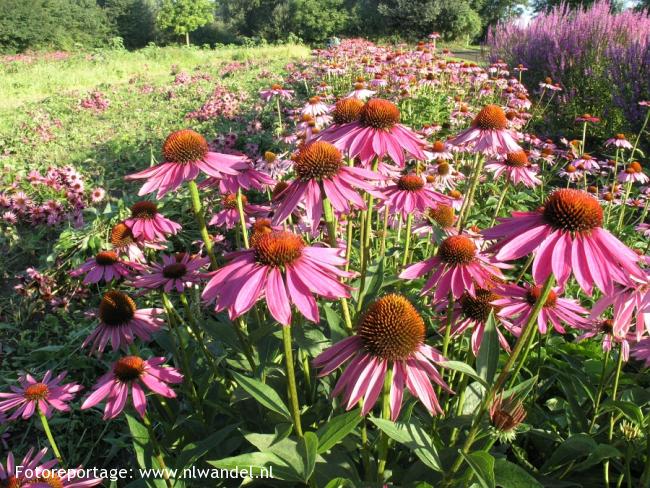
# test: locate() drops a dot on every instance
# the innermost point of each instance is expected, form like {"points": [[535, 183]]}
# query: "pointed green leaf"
{"points": [[413, 436], [510, 475], [336, 429], [482, 464], [308, 449], [465, 369], [264, 394], [488, 353]]}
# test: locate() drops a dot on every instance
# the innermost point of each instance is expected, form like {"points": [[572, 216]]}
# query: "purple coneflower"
{"points": [[516, 168], [9, 475], [618, 141], [488, 133], [276, 90], [389, 337], [605, 328], [228, 216], [409, 194], [147, 224], [120, 320], [176, 272], [129, 374], [633, 174], [42, 396], [106, 266]]}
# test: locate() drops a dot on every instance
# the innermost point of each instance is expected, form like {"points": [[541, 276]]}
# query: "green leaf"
{"points": [[264, 394], [482, 464], [339, 483], [413, 436], [629, 409], [336, 429], [259, 463], [465, 369], [308, 449], [510, 475], [194, 451], [578, 447], [143, 448], [522, 389], [488, 353]]}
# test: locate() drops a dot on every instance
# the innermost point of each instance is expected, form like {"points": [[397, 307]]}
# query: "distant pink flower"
{"points": [[390, 334], [185, 154], [619, 141], [439, 150], [517, 303], [641, 351], [106, 266], [120, 321], [176, 272], [248, 178], [320, 173], [587, 118], [9, 474], [282, 269], [458, 267], [410, 195], [43, 396], [315, 107], [567, 237], [605, 328], [516, 168], [377, 133], [97, 195], [643, 229], [488, 133], [276, 90], [127, 375], [147, 224], [360, 91], [633, 174], [228, 216]]}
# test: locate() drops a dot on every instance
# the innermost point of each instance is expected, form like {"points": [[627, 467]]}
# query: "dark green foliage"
{"points": [[133, 20], [51, 24]]}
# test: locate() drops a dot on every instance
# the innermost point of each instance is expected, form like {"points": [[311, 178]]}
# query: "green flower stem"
{"points": [[623, 204], [157, 450], [385, 414], [610, 432], [584, 138], [502, 198], [349, 233], [291, 379], [200, 219], [365, 449], [279, 110], [529, 330], [242, 218], [240, 327], [469, 196], [601, 388], [529, 261], [196, 330], [407, 244], [50, 437], [638, 137], [384, 232], [365, 241], [331, 234]]}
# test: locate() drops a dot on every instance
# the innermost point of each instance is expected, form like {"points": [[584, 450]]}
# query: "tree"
{"points": [[185, 16], [134, 20]]}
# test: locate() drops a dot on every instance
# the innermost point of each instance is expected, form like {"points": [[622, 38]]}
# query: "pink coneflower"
{"points": [[124, 243], [185, 154], [276, 90], [130, 373], [517, 304], [274, 165], [618, 141], [472, 311], [587, 118], [42, 396], [228, 217], [633, 174], [438, 151], [605, 328], [97, 195], [390, 335], [517, 169], [147, 224], [441, 217], [9, 475], [20, 202], [50, 478], [567, 238], [444, 176], [458, 267], [10, 217], [315, 107], [248, 178], [280, 267], [631, 307], [488, 133], [409, 194], [120, 320], [106, 266], [360, 91], [176, 272], [641, 351], [320, 172], [643, 229], [377, 133], [586, 162]]}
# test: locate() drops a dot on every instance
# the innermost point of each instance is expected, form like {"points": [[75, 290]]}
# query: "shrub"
{"points": [[596, 55]]}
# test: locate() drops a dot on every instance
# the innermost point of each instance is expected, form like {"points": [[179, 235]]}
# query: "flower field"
{"points": [[362, 265]]}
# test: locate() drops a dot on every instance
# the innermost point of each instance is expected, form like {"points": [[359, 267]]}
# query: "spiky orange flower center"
{"points": [[443, 169], [278, 248], [517, 159], [491, 117], [144, 210], [379, 114], [534, 292], [391, 328], [50, 479], [455, 194], [438, 146], [620, 137], [269, 156], [276, 86], [317, 161], [174, 270], [184, 146], [457, 250], [607, 326], [37, 391], [478, 307], [106, 258], [636, 167], [128, 368], [410, 182], [572, 210], [278, 188], [260, 228], [314, 100], [116, 308], [121, 235], [229, 201], [443, 215], [347, 110]]}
